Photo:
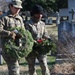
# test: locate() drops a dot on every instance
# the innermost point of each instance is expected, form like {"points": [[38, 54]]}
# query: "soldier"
{"points": [[38, 31], [7, 21]]}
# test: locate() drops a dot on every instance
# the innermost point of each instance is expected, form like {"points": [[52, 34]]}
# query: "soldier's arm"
{"points": [[45, 34], [3, 32]]}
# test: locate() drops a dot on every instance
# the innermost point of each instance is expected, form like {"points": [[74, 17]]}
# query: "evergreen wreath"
{"points": [[15, 51], [44, 46]]}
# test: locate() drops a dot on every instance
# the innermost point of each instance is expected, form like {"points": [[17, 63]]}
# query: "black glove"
{"points": [[18, 35]]}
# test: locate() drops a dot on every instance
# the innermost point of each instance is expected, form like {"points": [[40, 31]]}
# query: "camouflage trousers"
{"points": [[42, 61], [12, 64]]}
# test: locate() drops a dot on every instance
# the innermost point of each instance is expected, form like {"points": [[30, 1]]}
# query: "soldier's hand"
{"points": [[18, 35], [13, 35]]}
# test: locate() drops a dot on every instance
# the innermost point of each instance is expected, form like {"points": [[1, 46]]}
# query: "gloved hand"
{"points": [[18, 35], [12, 35]]}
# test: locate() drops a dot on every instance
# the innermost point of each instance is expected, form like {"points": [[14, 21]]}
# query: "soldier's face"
{"points": [[14, 10], [38, 16]]}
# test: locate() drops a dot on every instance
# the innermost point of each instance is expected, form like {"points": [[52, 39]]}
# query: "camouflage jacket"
{"points": [[7, 21], [38, 30]]}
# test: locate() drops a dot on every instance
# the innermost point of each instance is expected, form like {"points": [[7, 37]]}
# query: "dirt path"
{"points": [[23, 70], [4, 68]]}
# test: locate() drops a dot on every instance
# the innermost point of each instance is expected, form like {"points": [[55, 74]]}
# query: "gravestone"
{"points": [[57, 19], [66, 32], [63, 12], [69, 12], [46, 20], [66, 42], [73, 13], [50, 21], [71, 6]]}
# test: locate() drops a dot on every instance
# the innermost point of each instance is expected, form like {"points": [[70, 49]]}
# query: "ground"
{"points": [[23, 70], [64, 69], [4, 68]]}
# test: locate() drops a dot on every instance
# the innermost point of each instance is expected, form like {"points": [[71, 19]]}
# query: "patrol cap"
{"points": [[16, 3], [37, 9]]}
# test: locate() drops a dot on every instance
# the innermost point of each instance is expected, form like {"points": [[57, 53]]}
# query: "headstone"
{"points": [[64, 12], [66, 32], [63, 26], [50, 21], [73, 13], [71, 5], [68, 11], [64, 45], [46, 20], [57, 19], [64, 29], [73, 27]]}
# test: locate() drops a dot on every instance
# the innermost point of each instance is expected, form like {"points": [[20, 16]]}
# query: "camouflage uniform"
{"points": [[7, 21], [38, 31]]}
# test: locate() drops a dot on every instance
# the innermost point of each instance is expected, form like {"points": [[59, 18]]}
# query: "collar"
{"points": [[10, 15]]}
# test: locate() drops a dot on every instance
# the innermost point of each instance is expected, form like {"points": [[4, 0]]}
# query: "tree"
{"points": [[62, 3], [46, 4]]}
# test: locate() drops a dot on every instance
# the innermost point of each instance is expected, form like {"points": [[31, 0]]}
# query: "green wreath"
{"points": [[44, 47], [15, 51]]}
